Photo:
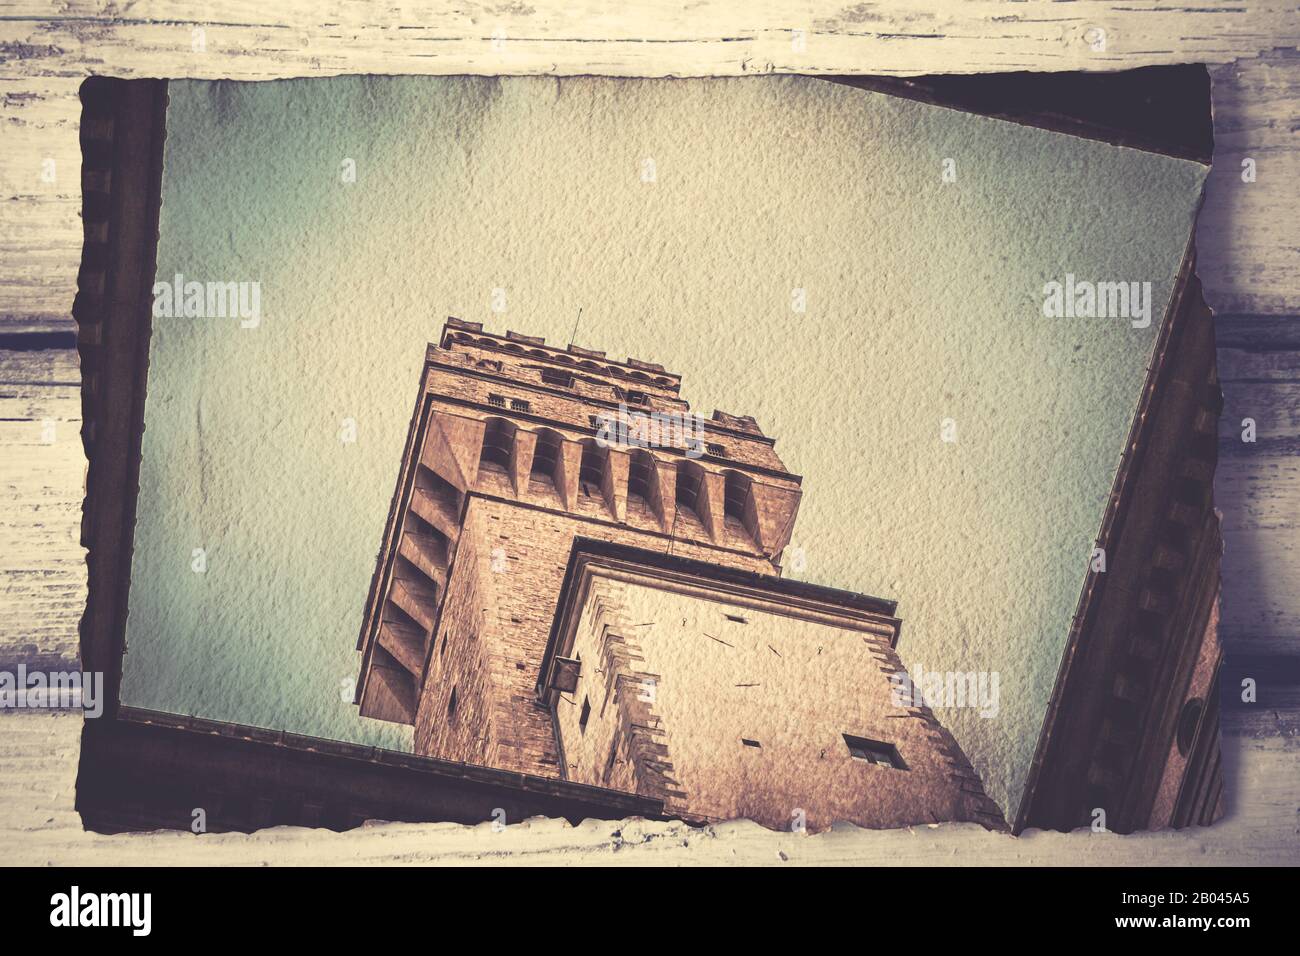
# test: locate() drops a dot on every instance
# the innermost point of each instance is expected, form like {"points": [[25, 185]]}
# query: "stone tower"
{"points": [[579, 577]]}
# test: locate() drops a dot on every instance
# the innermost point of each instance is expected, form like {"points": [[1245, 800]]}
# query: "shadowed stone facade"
{"points": [[732, 695]]}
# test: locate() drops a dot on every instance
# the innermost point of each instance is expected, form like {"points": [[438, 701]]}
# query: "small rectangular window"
{"points": [[586, 714], [717, 451], [497, 401], [637, 398], [519, 405], [553, 376], [737, 618], [750, 743], [874, 751]]}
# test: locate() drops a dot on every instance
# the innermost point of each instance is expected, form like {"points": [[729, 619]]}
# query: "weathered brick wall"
{"points": [[1202, 686], [511, 615], [460, 661], [622, 743], [791, 683], [594, 750]]}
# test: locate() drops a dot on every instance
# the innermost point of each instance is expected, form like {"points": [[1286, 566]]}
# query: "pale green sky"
{"points": [[924, 303]]}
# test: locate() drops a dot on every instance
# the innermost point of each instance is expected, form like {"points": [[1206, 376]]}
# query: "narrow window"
{"points": [[751, 743], [591, 471], [874, 751], [737, 618], [498, 444], [451, 703], [586, 714], [546, 453], [735, 496], [641, 478], [690, 482]]}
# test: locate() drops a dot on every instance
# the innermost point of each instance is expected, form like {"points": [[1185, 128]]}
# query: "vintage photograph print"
{"points": [[783, 449]]}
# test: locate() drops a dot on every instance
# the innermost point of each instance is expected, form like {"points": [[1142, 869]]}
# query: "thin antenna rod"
{"points": [[574, 337]]}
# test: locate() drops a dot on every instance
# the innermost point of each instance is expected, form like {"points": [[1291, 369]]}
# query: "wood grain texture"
{"points": [[42, 467], [1257, 485], [249, 39], [1249, 232], [1248, 240], [38, 826], [1257, 490]]}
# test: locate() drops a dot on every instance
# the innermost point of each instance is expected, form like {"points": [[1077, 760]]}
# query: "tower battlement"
{"points": [[459, 332]]}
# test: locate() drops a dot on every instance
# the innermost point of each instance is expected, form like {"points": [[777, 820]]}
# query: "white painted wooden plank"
{"points": [[249, 39], [1259, 493], [1260, 569], [42, 470], [1248, 234]]}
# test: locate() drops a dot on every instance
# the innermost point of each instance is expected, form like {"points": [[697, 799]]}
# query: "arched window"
{"points": [[547, 454], [736, 495], [591, 475], [690, 486], [738, 513], [498, 444], [640, 481]]}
